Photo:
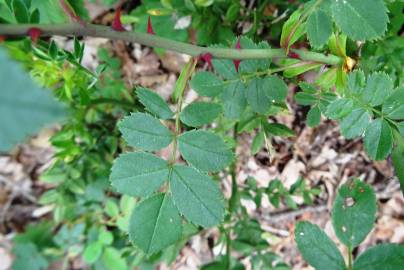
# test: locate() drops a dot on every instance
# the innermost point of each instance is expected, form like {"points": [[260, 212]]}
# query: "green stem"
{"points": [[349, 258], [75, 29], [185, 75]]}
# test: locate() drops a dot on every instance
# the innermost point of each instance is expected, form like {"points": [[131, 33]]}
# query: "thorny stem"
{"points": [[76, 29]]}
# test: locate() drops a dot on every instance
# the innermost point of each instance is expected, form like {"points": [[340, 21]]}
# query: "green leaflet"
{"points": [[196, 196], [277, 129], [258, 142], [314, 116], [384, 256], [316, 248], [145, 132], [25, 108], [138, 174], [356, 81], [398, 161], [207, 84], [154, 103], [28, 257], [378, 139], [234, 100], [378, 87], [360, 19], [319, 28], [204, 150], [200, 113], [225, 68], [92, 252], [155, 224], [113, 260], [263, 92], [354, 212], [250, 66], [339, 108], [355, 123], [394, 105]]}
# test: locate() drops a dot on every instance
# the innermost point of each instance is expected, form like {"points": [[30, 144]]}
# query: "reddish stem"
{"points": [[207, 57], [293, 55]]}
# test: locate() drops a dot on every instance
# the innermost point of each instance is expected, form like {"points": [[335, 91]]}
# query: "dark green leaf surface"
{"points": [[317, 248], [354, 212], [339, 108], [319, 28], [138, 174], [145, 132], [25, 108], [381, 257], [378, 139], [398, 161], [155, 224], [200, 113], [196, 196], [360, 19], [207, 84], [277, 129], [250, 66], [28, 257], [355, 123], [204, 150], [394, 105], [234, 101], [225, 68], [314, 116], [378, 87], [154, 103]]}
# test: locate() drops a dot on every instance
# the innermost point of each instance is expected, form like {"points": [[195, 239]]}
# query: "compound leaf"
{"points": [[204, 150], [154, 103], [155, 224], [378, 139], [339, 108], [138, 174], [200, 113], [319, 28], [377, 89], [196, 196], [384, 256], [143, 131], [317, 248], [354, 212], [360, 19], [207, 84]]}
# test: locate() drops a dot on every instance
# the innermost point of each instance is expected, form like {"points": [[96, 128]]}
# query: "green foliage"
{"points": [[155, 223], [154, 103], [319, 28], [353, 216], [200, 113], [25, 108], [354, 213], [143, 131]]}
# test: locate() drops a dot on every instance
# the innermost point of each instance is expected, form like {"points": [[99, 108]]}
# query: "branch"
{"points": [[92, 30]]}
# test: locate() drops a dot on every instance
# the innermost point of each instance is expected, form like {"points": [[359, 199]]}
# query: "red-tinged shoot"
{"points": [[70, 12], [2, 39], [237, 62], [150, 27], [34, 33], [117, 23]]}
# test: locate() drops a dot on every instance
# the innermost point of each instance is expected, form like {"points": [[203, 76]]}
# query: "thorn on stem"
{"points": [[34, 33], [293, 55], [237, 62], [117, 23], [207, 57], [150, 27]]}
